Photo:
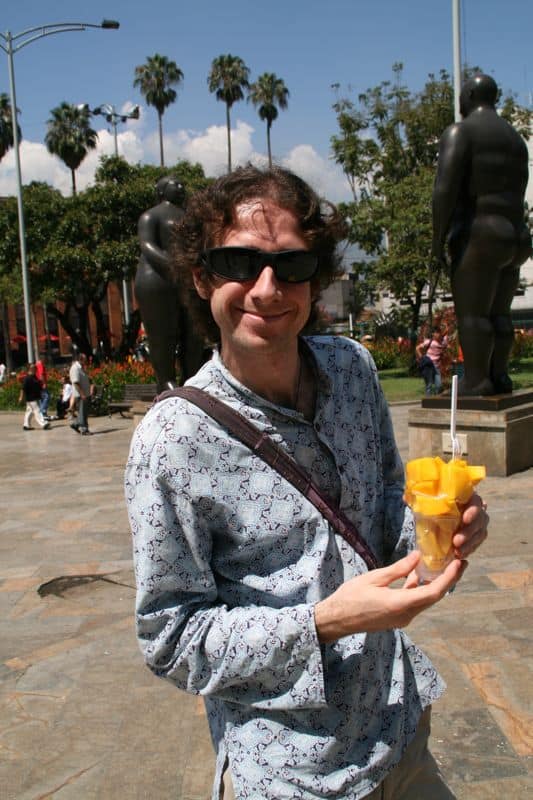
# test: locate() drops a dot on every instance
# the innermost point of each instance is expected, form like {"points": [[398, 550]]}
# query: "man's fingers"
{"points": [[400, 569], [442, 584]]}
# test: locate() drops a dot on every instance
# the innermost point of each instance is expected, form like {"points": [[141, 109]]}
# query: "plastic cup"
{"points": [[434, 536]]}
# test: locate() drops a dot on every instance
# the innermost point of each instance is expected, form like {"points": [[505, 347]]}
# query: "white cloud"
{"points": [[208, 147], [326, 177], [36, 165]]}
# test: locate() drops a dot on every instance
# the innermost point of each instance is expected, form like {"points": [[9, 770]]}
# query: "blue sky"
{"points": [[311, 44]]}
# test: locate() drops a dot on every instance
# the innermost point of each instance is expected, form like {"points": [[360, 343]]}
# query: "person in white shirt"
{"points": [[81, 387], [63, 401]]}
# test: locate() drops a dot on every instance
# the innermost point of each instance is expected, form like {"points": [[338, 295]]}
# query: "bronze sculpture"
{"points": [[165, 320], [480, 231]]}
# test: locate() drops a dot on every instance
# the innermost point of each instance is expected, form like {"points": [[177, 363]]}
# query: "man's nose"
{"points": [[266, 283]]}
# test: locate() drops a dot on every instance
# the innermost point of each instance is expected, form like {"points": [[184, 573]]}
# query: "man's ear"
{"points": [[201, 283]]}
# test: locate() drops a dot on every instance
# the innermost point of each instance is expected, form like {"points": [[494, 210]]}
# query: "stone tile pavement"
{"points": [[81, 717]]}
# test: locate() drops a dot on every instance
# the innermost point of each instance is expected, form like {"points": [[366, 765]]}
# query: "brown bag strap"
{"points": [[274, 455]]}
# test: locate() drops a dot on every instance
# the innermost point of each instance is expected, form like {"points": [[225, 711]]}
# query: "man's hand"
{"points": [[473, 530], [367, 603]]}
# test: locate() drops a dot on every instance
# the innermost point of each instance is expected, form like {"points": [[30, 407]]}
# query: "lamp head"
{"points": [[110, 24]]}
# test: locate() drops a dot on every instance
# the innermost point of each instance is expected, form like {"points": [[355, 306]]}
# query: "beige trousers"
{"points": [[415, 777], [32, 410]]}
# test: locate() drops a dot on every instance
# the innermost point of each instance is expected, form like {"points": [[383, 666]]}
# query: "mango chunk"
{"points": [[432, 477], [434, 540], [434, 506], [422, 469]]}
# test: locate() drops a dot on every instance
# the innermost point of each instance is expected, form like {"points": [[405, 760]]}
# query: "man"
{"points": [[41, 375], [478, 211], [165, 321], [81, 391], [31, 393], [431, 349], [245, 593]]}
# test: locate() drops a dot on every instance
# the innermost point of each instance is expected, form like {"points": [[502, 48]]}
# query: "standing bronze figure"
{"points": [[165, 320], [480, 232]]}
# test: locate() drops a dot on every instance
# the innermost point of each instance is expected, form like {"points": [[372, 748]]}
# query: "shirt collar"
{"points": [[232, 386]]}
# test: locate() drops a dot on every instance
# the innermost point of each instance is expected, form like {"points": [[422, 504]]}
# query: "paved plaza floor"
{"points": [[81, 718]]}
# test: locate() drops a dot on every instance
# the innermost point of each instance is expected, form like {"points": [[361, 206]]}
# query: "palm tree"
{"points": [[70, 136], [155, 80], [6, 125], [267, 91], [228, 77]]}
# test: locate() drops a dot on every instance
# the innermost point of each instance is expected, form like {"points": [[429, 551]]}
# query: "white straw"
{"points": [[456, 447]]}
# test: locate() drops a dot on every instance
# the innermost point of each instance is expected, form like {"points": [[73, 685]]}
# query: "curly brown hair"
{"points": [[211, 211]]}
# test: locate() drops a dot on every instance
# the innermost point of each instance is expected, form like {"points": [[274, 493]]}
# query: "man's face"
{"points": [[262, 315]]}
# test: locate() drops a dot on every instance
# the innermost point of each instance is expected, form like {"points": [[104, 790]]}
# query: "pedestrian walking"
{"points": [[81, 390], [429, 354], [31, 393], [42, 376]]}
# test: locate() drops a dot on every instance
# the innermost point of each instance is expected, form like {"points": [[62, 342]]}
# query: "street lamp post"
{"points": [[457, 66], [114, 117], [12, 44]]}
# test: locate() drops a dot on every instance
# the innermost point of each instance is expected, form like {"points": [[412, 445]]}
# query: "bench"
{"points": [[132, 393]]}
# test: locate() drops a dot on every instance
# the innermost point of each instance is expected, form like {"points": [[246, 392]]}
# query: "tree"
{"points": [[155, 80], [70, 136], [78, 245], [6, 125], [227, 78], [387, 146], [268, 92]]}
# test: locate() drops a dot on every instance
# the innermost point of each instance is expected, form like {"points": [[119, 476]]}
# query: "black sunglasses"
{"points": [[246, 263]]}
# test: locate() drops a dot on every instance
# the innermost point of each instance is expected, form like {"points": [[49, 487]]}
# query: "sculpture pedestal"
{"points": [[496, 431]]}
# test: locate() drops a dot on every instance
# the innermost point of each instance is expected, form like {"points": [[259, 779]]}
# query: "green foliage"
{"points": [[155, 80], [388, 353], [77, 245], [521, 118], [10, 389], [6, 125], [70, 135], [228, 77], [522, 347], [113, 376], [9, 395], [387, 146], [268, 92], [384, 352], [10, 274]]}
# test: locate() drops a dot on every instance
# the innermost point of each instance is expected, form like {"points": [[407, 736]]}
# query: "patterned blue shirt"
{"points": [[230, 560]]}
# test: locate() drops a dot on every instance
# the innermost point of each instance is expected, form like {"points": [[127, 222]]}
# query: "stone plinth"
{"points": [[496, 433]]}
